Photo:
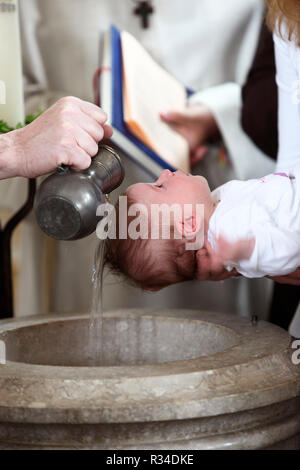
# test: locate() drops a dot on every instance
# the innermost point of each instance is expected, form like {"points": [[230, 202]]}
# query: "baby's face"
{"points": [[172, 188]]}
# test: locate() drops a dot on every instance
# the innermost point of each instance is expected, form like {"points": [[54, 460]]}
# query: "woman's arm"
{"points": [[292, 279], [209, 267], [283, 256]]}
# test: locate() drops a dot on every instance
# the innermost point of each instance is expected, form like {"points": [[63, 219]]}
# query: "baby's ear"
{"points": [[188, 227]]}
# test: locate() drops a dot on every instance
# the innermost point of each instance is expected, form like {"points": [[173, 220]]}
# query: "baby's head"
{"points": [[154, 262]]}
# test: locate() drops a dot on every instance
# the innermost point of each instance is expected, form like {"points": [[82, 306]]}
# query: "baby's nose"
{"points": [[165, 175], [180, 172]]}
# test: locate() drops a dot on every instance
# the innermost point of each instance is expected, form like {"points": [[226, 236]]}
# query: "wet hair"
{"points": [[285, 12], [140, 260]]}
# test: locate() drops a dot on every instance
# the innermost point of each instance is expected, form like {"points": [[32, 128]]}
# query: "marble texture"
{"points": [[166, 379]]}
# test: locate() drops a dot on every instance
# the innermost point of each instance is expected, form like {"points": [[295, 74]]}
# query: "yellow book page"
{"points": [[130, 123], [147, 90]]}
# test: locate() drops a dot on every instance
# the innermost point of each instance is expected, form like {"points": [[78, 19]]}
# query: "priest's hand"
{"points": [[197, 124], [67, 133]]}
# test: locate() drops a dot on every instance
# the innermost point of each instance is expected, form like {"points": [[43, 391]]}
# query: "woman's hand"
{"points": [[196, 124], [210, 263], [292, 279], [210, 266]]}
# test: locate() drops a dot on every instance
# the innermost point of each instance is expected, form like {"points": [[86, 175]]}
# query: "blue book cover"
{"points": [[117, 112], [117, 98]]}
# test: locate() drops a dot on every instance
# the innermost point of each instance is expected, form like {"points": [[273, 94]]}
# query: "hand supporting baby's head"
{"points": [[164, 253]]}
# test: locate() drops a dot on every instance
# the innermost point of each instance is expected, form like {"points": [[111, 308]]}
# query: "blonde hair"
{"points": [[285, 12]]}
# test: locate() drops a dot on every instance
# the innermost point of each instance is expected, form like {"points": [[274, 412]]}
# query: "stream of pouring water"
{"points": [[96, 350], [96, 317]]}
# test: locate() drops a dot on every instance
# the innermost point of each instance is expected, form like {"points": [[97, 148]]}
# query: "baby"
{"points": [[250, 226]]}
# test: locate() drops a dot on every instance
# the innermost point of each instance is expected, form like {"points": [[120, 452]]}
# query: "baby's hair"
{"points": [[118, 253], [138, 261]]}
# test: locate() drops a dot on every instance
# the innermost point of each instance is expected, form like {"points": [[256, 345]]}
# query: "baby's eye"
{"points": [[159, 185]]}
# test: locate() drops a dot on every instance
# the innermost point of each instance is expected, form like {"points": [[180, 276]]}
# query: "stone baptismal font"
{"points": [[164, 379]]}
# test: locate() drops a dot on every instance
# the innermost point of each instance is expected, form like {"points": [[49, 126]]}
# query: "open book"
{"points": [[133, 90]]}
